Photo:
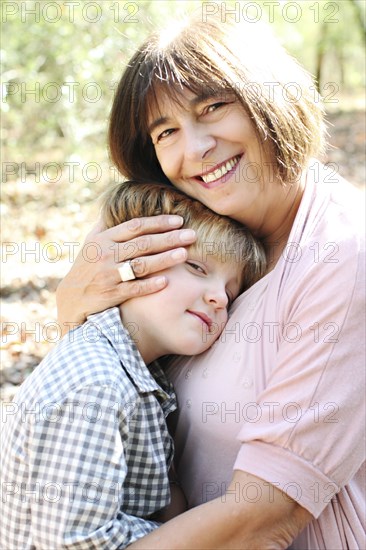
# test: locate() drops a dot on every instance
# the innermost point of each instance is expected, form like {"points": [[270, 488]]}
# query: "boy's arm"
{"points": [[78, 469]]}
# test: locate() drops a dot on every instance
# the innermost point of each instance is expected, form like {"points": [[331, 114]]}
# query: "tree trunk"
{"points": [[360, 18], [320, 53]]}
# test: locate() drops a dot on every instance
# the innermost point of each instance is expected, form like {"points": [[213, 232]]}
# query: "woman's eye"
{"points": [[214, 106], [165, 134]]}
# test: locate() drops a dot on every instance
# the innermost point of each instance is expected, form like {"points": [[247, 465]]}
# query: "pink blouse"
{"points": [[281, 393]]}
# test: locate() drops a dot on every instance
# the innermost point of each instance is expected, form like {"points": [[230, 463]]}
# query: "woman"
{"points": [[223, 113]]}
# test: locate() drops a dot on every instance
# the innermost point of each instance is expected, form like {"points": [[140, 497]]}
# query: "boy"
{"points": [[86, 453]]}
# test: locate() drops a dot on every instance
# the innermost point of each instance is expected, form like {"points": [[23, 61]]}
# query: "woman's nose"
{"points": [[198, 144]]}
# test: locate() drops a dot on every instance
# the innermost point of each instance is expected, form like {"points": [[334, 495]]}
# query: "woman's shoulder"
{"points": [[331, 213], [341, 198], [326, 247]]}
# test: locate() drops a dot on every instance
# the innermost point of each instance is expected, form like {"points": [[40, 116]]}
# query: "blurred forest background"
{"points": [[61, 62]]}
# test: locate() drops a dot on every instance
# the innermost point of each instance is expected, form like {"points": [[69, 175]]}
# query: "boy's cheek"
{"points": [[217, 328]]}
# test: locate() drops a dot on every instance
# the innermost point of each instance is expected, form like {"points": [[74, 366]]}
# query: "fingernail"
{"points": [[179, 254], [187, 235], [160, 281], [175, 221]]}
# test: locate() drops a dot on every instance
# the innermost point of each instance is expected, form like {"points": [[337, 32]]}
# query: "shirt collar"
{"points": [[152, 379]]}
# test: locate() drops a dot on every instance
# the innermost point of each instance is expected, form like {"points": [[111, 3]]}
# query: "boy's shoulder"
{"points": [[89, 355], [94, 342]]}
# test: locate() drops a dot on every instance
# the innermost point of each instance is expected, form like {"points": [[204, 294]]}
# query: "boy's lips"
{"points": [[202, 316], [216, 174]]}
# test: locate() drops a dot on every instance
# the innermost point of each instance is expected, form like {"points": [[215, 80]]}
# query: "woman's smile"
{"points": [[220, 173]]}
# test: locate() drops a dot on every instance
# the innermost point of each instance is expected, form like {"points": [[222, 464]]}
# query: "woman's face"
{"points": [[208, 147]]}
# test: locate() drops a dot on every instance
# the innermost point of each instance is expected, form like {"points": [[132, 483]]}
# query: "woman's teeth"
{"points": [[220, 172]]}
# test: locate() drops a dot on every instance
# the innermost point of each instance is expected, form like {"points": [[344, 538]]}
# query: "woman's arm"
{"points": [[270, 520], [177, 505], [92, 286]]}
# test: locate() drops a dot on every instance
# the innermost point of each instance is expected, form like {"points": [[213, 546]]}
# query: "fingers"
{"points": [[152, 244], [146, 265], [94, 284], [143, 226], [140, 287], [98, 227], [108, 290]]}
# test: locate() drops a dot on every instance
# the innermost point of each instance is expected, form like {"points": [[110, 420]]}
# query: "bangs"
{"points": [[168, 74]]}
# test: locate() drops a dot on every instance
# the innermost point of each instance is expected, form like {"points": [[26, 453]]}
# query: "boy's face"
{"points": [[189, 314]]}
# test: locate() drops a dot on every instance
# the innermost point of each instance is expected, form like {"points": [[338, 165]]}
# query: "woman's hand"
{"points": [[94, 284]]}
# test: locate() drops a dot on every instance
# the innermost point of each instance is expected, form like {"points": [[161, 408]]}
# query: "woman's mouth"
{"points": [[219, 172]]}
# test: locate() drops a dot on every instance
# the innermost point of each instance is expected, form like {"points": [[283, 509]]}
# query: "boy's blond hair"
{"points": [[217, 236]]}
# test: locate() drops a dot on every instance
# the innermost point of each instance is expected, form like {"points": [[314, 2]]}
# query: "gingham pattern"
{"points": [[85, 447]]}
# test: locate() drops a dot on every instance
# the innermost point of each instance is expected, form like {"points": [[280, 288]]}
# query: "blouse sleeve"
{"points": [[308, 439]]}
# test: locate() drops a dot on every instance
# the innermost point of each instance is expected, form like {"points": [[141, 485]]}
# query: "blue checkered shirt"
{"points": [[85, 447]]}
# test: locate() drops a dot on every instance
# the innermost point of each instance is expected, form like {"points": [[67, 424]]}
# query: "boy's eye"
{"points": [[196, 267]]}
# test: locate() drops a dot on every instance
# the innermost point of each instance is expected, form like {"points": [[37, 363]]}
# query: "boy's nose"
{"points": [[217, 296]]}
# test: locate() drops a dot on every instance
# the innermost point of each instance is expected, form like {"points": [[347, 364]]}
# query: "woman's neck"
{"points": [[276, 242]]}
